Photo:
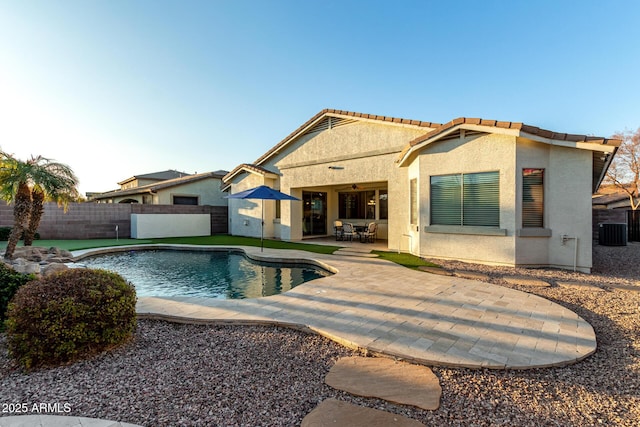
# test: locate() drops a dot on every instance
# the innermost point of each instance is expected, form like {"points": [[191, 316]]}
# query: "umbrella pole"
{"points": [[262, 228]]}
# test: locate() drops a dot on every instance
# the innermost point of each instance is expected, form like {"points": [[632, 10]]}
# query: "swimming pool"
{"points": [[212, 274]]}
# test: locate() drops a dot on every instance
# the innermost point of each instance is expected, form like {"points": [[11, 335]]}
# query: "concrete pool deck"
{"points": [[387, 309]]}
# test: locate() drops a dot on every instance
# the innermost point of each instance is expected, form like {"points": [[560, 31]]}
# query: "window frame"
{"points": [[362, 205], [533, 210], [183, 197], [454, 201]]}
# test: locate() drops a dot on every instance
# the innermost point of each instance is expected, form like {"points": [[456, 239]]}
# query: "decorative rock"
{"points": [[27, 268], [31, 253], [579, 285], [472, 275], [36, 260], [397, 382], [526, 281], [59, 259], [53, 268], [332, 412], [60, 421], [630, 288], [60, 252]]}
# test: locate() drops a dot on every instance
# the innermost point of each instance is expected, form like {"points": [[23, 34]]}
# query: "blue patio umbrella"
{"points": [[263, 193]]}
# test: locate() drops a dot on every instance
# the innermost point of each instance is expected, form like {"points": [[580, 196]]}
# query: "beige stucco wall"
{"points": [[567, 201], [364, 154], [473, 154], [208, 192], [147, 226], [569, 204], [245, 215]]}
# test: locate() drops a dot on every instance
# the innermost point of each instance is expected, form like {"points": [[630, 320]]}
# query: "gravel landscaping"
{"points": [[197, 375]]}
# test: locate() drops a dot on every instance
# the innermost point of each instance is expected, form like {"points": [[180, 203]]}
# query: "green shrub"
{"points": [[6, 231], [10, 281], [70, 315]]}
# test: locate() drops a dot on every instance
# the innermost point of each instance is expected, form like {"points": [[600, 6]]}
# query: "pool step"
{"points": [[357, 252]]}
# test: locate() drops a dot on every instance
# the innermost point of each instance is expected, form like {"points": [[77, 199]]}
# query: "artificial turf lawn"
{"points": [[406, 260], [218, 240]]}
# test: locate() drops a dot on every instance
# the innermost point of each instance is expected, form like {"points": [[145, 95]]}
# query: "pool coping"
{"points": [[385, 309]]}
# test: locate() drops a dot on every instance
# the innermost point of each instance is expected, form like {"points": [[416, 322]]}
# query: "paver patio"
{"points": [[385, 308]]}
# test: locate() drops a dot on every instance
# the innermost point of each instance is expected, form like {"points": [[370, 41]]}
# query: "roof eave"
{"points": [[245, 168], [514, 129]]}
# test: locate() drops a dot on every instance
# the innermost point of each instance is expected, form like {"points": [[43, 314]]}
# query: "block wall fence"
{"points": [[99, 220]]}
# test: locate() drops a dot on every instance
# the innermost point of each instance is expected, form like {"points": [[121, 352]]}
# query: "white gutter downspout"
{"points": [[410, 243], [566, 238]]}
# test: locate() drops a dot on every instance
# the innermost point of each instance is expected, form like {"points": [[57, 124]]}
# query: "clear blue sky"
{"points": [[122, 87]]}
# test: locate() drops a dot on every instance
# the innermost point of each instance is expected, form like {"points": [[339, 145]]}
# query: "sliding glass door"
{"points": [[314, 219]]}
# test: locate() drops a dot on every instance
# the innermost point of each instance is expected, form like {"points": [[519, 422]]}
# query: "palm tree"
{"points": [[28, 184]]}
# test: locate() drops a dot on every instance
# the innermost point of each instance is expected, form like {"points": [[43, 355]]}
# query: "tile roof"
{"points": [[159, 176], [600, 165], [248, 167], [149, 188], [533, 130]]}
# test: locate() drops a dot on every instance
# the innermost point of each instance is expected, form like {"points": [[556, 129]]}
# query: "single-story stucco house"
{"points": [[168, 187], [476, 190]]}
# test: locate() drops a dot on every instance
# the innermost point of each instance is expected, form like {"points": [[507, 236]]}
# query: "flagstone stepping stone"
{"points": [[333, 412], [630, 288], [526, 281], [435, 270], [579, 285], [472, 275], [386, 379]]}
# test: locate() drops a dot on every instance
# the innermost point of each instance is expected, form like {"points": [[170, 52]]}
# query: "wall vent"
{"points": [[329, 123]]}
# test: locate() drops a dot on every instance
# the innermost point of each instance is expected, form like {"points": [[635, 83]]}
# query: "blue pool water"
{"points": [[215, 274]]}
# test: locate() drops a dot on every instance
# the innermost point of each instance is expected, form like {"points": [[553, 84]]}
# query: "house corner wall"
{"points": [[569, 208], [479, 153]]}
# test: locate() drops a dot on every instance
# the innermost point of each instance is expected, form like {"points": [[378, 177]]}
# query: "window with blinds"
{"points": [[532, 198], [471, 199]]}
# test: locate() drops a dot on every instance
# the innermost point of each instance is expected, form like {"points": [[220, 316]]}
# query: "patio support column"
{"points": [[291, 216]]}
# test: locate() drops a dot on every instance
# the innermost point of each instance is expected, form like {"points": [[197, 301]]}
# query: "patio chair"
{"points": [[348, 231], [370, 234], [337, 229]]}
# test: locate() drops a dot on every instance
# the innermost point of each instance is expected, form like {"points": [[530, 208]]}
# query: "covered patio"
{"points": [[356, 203]]}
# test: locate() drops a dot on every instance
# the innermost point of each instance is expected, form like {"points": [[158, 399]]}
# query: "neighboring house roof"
{"points": [[347, 115], [605, 199], [618, 199], [601, 158], [158, 176], [152, 188]]}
